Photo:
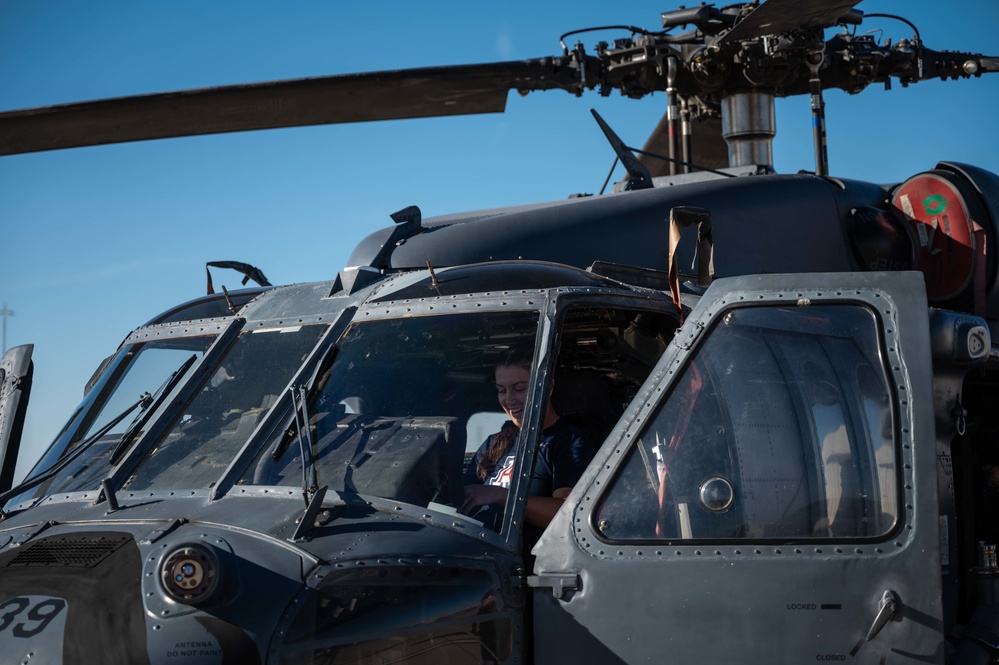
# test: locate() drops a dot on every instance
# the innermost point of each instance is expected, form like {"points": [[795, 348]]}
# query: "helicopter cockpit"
{"points": [[385, 393]]}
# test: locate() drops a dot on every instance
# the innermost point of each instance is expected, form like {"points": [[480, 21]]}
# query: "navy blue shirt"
{"points": [[563, 455]]}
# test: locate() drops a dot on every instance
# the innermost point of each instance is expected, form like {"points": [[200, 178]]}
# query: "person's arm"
{"points": [[540, 510], [570, 454], [477, 496]]}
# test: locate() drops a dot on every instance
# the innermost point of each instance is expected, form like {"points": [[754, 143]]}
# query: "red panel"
{"points": [[940, 218]]}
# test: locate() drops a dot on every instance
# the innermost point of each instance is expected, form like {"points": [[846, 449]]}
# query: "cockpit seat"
{"points": [[584, 399]]}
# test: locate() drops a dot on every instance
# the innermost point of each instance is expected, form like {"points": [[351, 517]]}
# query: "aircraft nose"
{"points": [[54, 590]]}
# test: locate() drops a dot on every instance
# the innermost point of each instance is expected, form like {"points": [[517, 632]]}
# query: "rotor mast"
{"points": [[749, 126]]}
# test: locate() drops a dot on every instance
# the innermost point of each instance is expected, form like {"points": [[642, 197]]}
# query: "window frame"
{"points": [[673, 368]]}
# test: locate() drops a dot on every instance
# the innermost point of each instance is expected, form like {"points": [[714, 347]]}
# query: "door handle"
{"points": [[887, 607], [560, 583]]}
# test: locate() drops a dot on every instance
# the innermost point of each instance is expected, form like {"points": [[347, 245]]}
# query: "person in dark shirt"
{"points": [[563, 452]]}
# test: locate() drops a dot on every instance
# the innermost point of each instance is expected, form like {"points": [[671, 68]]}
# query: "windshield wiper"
{"points": [[310, 477], [144, 400], [318, 378], [148, 409]]}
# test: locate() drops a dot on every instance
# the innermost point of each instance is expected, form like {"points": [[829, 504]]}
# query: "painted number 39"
{"points": [[27, 620]]}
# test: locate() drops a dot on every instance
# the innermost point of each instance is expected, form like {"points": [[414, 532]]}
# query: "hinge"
{"points": [[693, 331], [559, 583], [158, 533]]}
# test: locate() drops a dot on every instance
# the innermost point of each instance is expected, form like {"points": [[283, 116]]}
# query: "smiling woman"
{"points": [[564, 452]]}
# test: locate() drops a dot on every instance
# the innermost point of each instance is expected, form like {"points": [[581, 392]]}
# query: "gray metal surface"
{"points": [[750, 600]]}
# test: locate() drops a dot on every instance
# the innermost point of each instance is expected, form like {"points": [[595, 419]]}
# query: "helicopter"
{"points": [[269, 475]]}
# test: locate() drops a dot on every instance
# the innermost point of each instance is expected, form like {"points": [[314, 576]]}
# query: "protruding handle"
{"points": [[886, 610]]}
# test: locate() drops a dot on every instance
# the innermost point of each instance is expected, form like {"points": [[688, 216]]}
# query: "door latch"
{"points": [[886, 610]]}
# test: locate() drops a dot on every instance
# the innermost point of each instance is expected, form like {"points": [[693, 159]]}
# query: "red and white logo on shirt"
{"points": [[503, 476]]}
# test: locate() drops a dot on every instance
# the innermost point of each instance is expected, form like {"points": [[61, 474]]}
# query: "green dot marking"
{"points": [[935, 204]]}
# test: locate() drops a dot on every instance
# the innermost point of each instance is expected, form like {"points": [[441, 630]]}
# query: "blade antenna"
{"points": [[638, 174]]}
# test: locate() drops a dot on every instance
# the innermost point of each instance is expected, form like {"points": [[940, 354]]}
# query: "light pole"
{"points": [[5, 312]]}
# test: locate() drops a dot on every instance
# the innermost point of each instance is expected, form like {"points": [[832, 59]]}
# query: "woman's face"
{"points": [[511, 388]]}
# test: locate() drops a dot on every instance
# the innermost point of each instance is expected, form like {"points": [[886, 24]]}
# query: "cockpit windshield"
{"points": [[392, 413], [215, 425], [397, 408]]}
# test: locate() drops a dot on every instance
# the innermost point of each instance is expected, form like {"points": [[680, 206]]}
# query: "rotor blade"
{"points": [[413, 93], [776, 16], [707, 145]]}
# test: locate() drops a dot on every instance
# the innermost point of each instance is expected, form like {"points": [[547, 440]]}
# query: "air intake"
{"points": [[76, 552]]}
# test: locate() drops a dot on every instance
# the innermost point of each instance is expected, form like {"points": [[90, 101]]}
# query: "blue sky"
{"points": [[98, 240]]}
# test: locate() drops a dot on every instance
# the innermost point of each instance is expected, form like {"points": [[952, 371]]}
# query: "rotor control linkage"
{"points": [[814, 60]]}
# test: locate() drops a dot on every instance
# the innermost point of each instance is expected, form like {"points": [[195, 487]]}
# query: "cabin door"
{"points": [[756, 502]]}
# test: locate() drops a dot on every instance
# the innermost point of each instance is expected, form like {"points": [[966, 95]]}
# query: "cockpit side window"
{"points": [[605, 354], [779, 428], [133, 381], [154, 362]]}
